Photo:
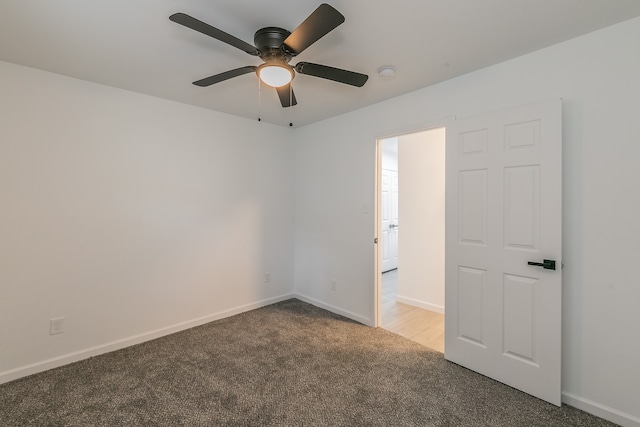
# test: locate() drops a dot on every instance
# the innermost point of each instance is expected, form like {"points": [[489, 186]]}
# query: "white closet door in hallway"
{"points": [[389, 220]]}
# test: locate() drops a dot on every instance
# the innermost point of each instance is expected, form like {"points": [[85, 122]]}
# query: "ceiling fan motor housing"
{"points": [[269, 42]]}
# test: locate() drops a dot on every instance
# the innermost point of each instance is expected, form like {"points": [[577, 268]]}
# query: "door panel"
{"points": [[504, 209], [472, 214], [522, 207], [471, 289], [520, 308]]}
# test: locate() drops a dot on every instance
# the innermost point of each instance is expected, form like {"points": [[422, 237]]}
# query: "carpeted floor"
{"points": [[289, 364]]}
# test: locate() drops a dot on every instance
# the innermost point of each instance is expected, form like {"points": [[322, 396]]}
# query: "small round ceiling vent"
{"points": [[387, 72]]}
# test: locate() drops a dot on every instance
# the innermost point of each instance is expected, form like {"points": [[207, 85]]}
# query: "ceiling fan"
{"points": [[276, 46]]}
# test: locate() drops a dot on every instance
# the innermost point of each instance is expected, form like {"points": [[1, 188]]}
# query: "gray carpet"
{"points": [[289, 364]]}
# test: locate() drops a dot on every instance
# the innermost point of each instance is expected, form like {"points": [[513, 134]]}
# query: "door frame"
{"points": [[377, 211]]}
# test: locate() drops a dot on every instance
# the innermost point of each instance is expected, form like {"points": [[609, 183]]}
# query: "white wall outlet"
{"points": [[267, 277], [56, 326], [334, 284]]}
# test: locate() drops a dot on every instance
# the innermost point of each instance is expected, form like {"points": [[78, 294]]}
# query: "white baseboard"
{"points": [[66, 359], [420, 304], [333, 309], [602, 411]]}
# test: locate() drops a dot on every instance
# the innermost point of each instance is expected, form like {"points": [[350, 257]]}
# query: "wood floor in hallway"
{"points": [[420, 325]]}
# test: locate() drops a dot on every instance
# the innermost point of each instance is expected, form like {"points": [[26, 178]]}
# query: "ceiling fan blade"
{"points": [[194, 24], [225, 76], [330, 73], [287, 97], [324, 19]]}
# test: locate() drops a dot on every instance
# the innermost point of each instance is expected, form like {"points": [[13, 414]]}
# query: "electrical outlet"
{"points": [[56, 326], [267, 277], [334, 284]]}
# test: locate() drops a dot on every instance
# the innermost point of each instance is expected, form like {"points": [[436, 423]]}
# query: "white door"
{"points": [[504, 210], [389, 220]]}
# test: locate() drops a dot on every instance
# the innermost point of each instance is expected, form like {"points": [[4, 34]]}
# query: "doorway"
{"points": [[411, 177]]}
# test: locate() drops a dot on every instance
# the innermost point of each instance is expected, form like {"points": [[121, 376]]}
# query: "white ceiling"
{"points": [[131, 44]]}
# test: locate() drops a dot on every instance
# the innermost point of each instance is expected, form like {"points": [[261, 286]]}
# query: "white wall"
{"points": [[596, 75], [131, 217], [390, 154], [421, 158]]}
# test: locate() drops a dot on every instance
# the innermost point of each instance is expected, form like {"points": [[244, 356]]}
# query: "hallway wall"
{"points": [[421, 158]]}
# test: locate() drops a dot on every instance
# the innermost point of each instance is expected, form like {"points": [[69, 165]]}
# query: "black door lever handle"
{"points": [[548, 264]]}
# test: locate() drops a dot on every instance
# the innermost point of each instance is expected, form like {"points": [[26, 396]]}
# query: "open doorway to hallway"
{"points": [[411, 264]]}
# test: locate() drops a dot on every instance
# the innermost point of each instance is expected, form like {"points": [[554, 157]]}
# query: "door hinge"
{"points": [[375, 241]]}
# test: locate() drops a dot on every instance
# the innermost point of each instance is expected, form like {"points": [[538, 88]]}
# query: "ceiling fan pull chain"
{"points": [[259, 101], [290, 104]]}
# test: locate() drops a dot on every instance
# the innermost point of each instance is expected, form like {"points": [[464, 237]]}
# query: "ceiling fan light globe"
{"points": [[275, 75]]}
